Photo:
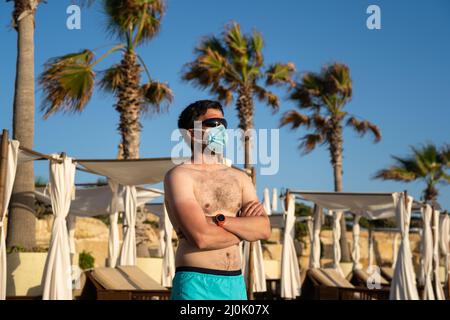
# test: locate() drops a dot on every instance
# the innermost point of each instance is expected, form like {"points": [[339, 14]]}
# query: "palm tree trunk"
{"points": [[336, 146], [244, 106], [129, 105], [22, 219]]}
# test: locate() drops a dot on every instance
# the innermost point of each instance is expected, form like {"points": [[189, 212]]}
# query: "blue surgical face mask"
{"points": [[216, 139]]}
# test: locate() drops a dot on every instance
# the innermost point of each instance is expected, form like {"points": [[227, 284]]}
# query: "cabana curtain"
{"points": [[113, 238], [337, 216], [290, 272], [11, 166], [128, 251], [403, 286], [259, 276], [427, 255], [356, 249], [444, 242], [168, 263], [57, 284], [438, 291], [314, 261]]}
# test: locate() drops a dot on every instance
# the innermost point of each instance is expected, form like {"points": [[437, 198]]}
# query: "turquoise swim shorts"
{"points": [[191, 283]]}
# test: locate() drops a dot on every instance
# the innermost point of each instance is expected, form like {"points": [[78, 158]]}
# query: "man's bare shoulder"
{"points": [[178, 172], [240, 174]]}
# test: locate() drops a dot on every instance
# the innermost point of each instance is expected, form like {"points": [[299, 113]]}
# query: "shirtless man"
{"points": [[213, 208]]}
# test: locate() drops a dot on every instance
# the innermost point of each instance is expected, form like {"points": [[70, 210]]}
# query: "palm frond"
{"points": [[235, 40], [310, 141], [396, 173], [141, 17], [211, 43], [111, 79], [295, 119], [267, 97], [157, 97], [256, 45], [363, 126], [67, 82], [280, 73]]}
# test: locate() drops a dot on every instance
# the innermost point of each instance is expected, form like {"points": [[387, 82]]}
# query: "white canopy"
{"points": [[377, 206], [290, 271], [132, 172], [57, 277], [369, 205], [96, 201], [11, 165]]}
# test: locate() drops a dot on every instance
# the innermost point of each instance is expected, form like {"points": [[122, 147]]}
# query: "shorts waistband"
{"points": [[210, 271]]}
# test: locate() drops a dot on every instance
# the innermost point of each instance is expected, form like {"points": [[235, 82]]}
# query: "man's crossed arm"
{"points": [[252, 224]]}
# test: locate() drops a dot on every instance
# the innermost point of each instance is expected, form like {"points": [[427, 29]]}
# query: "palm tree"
{"points": [[427, 163], [22, 220], [232, 66], [324, 95], [68, 81]]}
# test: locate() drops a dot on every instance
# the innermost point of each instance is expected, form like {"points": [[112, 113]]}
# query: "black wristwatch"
{"points": [[219, 219]]}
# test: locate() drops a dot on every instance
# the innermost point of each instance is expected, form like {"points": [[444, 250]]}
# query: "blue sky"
{"points": [[400, 79]]}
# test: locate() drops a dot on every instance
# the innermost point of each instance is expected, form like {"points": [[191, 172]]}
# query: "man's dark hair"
{"points": [[193, 111]]}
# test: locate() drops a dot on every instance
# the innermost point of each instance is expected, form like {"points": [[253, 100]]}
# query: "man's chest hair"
{"points": [[218, 191]]}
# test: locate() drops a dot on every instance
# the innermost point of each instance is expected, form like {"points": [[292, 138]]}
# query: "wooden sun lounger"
{"points": [[122, 283], [328, 284]]}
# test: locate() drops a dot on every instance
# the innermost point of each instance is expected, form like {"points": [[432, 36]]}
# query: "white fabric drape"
{"points": [[259, 274], [438, 291], [57, 277], [370, 249], [290, 271], [274, 200], [113, 238], [11, 166], [356, 249], [444, 242], [395, 249], [314, 260], [71, 225], [168, 263], [337, 216], [128, 251], [427, 255], [403, 286]]}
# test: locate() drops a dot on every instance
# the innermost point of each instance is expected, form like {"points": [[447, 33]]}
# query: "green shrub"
{"points": [[86, 260]]}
